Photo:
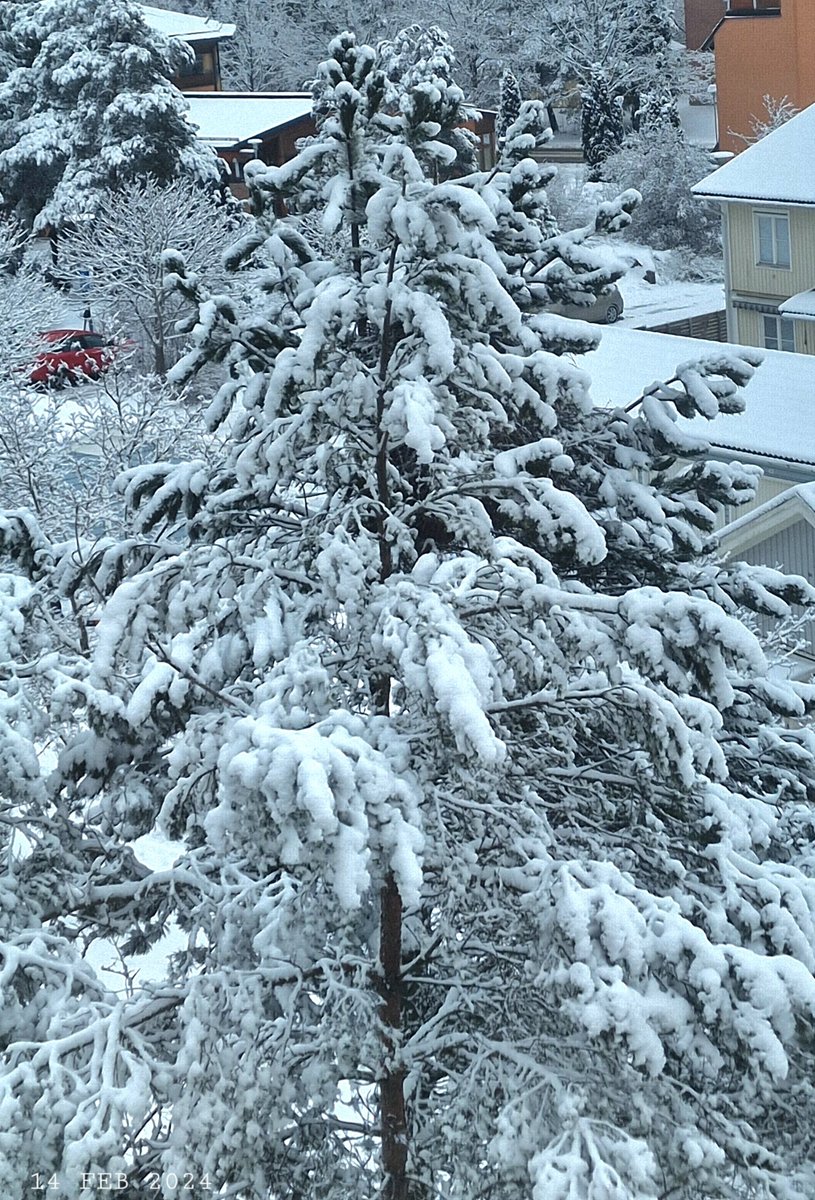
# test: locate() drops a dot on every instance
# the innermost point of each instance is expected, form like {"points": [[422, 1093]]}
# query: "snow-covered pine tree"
{"points": [[89, 107], [601, 121], [494, 834], [420, 55], [509, 103], [657, 109]]}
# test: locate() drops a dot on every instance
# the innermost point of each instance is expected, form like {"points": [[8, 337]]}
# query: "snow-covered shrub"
{"points": [[61, 453], [28, 305], [573, 197], [663, 165]]}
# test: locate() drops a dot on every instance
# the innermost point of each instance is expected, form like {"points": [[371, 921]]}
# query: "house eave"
{"points": [[781, 200], [796, 470]]}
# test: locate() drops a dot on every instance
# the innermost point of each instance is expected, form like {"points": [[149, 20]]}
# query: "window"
{"points": [[202, 68], [754, 6], [773, 239], [779, 333]]}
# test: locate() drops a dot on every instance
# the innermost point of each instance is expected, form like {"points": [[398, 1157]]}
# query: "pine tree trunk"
{"points": [[391, 1089], [393, 1118]]}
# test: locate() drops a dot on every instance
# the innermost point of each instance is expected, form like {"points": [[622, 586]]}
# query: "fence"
{"points": [[711, 327]]}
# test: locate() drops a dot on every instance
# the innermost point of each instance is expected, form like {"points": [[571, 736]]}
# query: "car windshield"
{"points": [[80, 341]]}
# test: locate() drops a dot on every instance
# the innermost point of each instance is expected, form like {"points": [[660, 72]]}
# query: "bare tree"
{"points": [[116, 258], [776, 113], [276, 44], [60, 459], [28, 303]]}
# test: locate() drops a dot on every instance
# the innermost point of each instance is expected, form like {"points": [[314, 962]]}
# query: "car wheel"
{"points": [[612, 314]]}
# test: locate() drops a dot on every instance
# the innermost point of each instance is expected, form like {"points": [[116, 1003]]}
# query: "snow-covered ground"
{"points": [[670, 298], [647, 305], [651, 304]]}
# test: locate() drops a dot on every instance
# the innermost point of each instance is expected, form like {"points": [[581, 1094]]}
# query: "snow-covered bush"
{"points": [[61, 453], [663, 165], [28, 305], [573, 197], [495, 834]]}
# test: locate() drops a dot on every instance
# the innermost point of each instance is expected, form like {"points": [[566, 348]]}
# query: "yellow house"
{"points": [[775, 432], [767, 196]]}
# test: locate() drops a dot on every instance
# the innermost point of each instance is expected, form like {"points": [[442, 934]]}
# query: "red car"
{"points": [[69, 354]]}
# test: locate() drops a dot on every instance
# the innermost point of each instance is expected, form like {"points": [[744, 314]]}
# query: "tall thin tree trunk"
{"points": [[392, 1086], [393, 1119]]}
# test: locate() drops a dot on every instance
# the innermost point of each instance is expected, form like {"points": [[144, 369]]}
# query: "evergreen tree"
{"points": [[613, 50], [601, 122], [89, 108], [494, 833], [509, 103], [656, 111], [417, 57]]}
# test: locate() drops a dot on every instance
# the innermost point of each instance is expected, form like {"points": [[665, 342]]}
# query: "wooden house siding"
{"points": [[769, 486], [748, 327], [759, 53], [804, 337], [749, 330], [793, 550], [204, 74], [746, 276]]}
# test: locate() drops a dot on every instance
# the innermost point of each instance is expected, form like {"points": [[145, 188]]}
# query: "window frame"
{"points": [[779, 322], [775, 217]]}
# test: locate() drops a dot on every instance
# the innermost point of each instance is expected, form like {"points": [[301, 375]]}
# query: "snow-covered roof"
{"points": [[777, 169], [778, 423], [802, 305], [227, 119], [793, 504], [184, 25]]}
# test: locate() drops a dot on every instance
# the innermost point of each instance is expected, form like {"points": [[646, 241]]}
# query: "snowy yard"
{"points": [[651, 304]]}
